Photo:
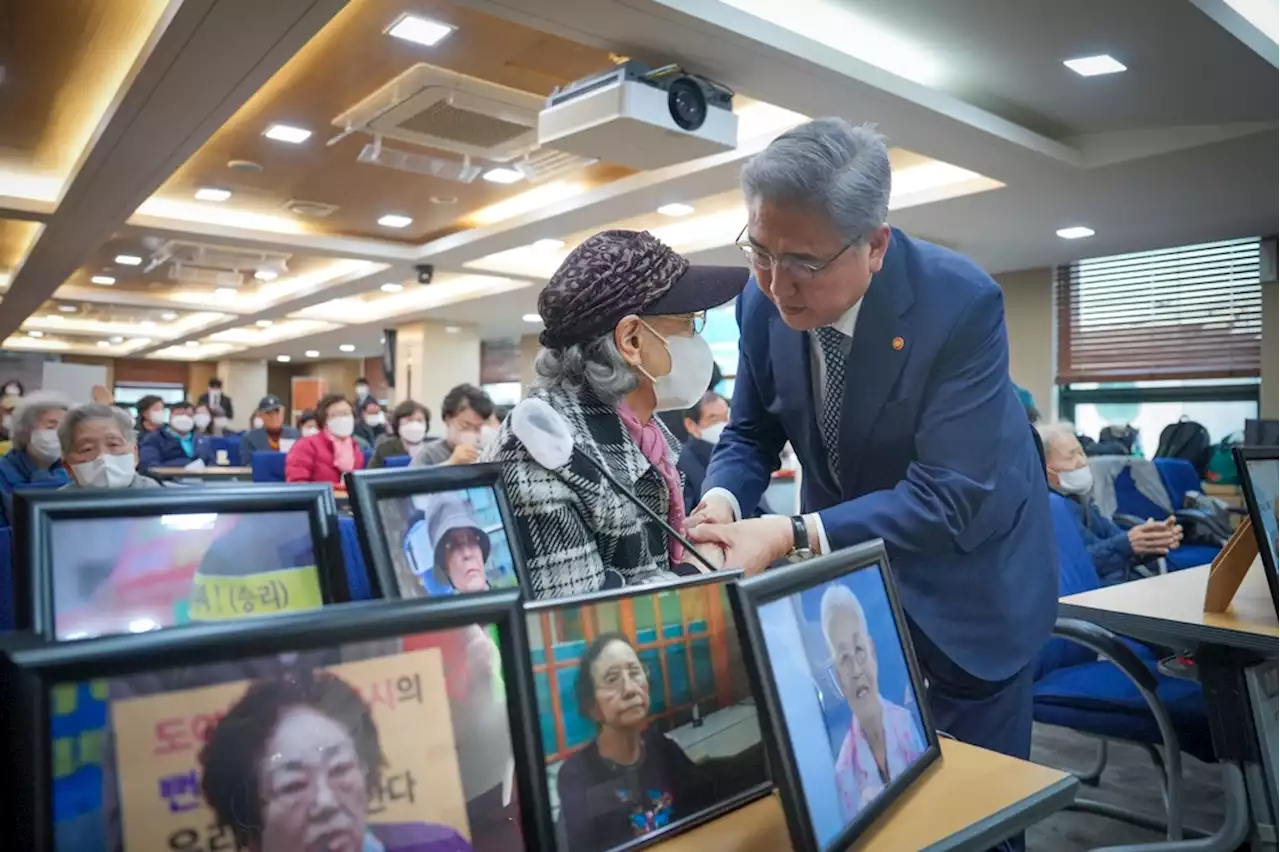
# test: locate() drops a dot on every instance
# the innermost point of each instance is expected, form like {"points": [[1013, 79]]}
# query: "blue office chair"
{"points": [[397, 461], [1180, 478], [230, 443], [1122, 696], [1134, 507], [268, 466], [353, 558]]}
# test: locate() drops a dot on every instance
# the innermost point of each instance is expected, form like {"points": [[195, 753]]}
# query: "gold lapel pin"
{"points": [[898, 343]]}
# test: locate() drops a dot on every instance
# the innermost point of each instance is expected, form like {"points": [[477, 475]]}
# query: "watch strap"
{"points": [[800, 535]]}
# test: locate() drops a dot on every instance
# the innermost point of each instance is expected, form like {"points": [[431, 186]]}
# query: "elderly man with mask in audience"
{"points": [[100, 448], [1115, 552], [35, 457]]}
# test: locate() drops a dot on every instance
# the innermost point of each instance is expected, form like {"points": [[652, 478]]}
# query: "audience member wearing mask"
{"points": [[703, 423], [152, 415], [362, 391], [410, 420], [204, 420], [622, 321], [372, 423], [221, 422], [331, 452], [100, 448], [465, 411], [215, 397], [35, 454], [13, 392], [176, 444], [267, 436], [1115, 551], [307, 422]]}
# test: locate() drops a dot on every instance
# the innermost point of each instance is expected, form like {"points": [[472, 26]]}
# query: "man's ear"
{"points": [[626, 336], [879, 243], [691, 427]]}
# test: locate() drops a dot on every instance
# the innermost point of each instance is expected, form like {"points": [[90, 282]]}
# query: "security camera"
{"points": [[426, 272]]}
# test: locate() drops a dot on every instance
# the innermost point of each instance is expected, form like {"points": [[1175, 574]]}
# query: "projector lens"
{"points": [[687, 103]]}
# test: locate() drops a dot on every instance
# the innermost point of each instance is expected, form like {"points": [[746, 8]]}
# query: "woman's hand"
{"points": [[713, 509]]}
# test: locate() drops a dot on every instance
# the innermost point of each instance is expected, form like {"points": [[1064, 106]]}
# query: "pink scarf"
{"points": [[653, 444], [344, 453]]}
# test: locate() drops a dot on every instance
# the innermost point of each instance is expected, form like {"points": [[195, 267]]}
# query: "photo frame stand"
{"points": [[1229, 567]]}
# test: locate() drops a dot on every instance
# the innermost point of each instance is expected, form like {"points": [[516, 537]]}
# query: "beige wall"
{"points": [[529, 348], [1270, 402], [339, 374], [246, 383], [1028, 312], [430, 361]]}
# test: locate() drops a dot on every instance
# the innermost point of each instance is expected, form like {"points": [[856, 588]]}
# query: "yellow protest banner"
{"points": [[220, 598]]}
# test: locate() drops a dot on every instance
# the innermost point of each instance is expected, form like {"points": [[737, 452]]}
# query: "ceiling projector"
{"points": [[640, 117]]}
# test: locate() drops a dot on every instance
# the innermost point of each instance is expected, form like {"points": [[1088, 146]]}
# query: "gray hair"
{"points": [[82, 414], [1051, 433], [828, 164], [30, 409], [597, 364], [840, 598]]}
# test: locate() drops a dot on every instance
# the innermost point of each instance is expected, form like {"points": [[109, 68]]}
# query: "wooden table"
{"points": [[211, 472], [970, 800]]}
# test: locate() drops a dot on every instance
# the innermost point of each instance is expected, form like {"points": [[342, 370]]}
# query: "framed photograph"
{"points": [[402, 726], [646, 717], [96, 561], [843, 699], [1259, 469], [434, 531]]}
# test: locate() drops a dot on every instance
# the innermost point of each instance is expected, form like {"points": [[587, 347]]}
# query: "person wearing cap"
{"points": [[272, 432], [621, 341], [884, 360], [459, 545]]}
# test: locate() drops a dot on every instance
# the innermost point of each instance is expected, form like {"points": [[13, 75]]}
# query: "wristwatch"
{"points": [[800, 549]]}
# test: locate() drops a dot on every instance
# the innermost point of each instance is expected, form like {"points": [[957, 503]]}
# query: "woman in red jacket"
{"points": [[331, 452]]}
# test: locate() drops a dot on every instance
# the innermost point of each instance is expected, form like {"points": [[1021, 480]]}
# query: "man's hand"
{"points": [[752, 545], [1155, 538], [463, 454], [714, 509], [713, 553]]}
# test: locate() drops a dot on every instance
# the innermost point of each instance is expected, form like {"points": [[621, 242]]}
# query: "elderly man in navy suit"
{"points": [[906, 424]]}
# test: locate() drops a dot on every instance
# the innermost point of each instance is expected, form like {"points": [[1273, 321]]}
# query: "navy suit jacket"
{"points": [[163, 448], [937, 457]]}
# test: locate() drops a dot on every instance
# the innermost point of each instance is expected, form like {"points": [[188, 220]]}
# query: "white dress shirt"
{"points": [[818, 369]]}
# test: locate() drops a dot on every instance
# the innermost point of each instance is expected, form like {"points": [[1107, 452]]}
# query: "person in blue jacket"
{"points": [[36, 455], [176, 444]]}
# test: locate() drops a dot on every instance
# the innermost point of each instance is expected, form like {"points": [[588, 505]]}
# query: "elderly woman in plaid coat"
{"points": [[621, 341]]}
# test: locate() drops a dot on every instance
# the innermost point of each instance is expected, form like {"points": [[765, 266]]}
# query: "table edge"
{"points": [[994, 828], [1134, 625]]}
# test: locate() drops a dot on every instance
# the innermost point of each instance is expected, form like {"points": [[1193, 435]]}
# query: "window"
{"points": [[721, 332], [128, 395], [1186, 313]]}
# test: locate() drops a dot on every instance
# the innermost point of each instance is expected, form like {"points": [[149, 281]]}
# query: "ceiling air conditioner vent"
{"points": [[420, 164], [452, 112], [310, 209]]}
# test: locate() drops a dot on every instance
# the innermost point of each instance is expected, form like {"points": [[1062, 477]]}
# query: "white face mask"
{"points": [[157, 417], [342, 427], [362, 390], [1078, 481], [7, 422], [13, 390], [488, 435], [465, 438], [310, 429], [106, 471], [219, 423], [45, 444], [202, 419], [374, 419], [181, 423], [257, 423], [691, 367], [711, 434], [413, 431]]}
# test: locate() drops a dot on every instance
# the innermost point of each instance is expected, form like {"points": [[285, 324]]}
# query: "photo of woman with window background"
{"points": [[645, 714]]}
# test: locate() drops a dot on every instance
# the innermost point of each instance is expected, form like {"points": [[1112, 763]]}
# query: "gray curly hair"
{"points": [[596, 364]]}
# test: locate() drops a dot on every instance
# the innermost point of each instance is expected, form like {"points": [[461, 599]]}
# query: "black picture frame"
{"points": [[366, 488], [746, 597], [538, 768], [36, 511], [30, 668], [1244, 455]]}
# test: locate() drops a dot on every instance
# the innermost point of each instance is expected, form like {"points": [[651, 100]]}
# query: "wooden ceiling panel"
{"points": [[349, 60], [64, 61], [16, 237]]}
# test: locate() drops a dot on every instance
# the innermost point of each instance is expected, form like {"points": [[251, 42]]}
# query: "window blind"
{"points": [[1193, 312]]}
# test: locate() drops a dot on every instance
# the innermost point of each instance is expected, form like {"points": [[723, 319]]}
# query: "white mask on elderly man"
{"points": [[106, 471], [1078, 481], [182, 423], [203, 419], [711, 434], [257, 423], [309, 429], [46, 445], [691, 367]]}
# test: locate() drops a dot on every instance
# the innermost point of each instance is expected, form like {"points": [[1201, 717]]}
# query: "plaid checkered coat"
{"points": [[573, 527]]}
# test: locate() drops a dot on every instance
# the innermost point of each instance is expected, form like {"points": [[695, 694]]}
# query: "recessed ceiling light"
{"points": [[419, 30], [248, 166], [501, 175], [312, 353], [283, 359], [212, 193], [116, 339], [224, 291], [1093, 66], [395, 220], [67, 309], [103, 343], [444, 199], [548, 245], [346, 347], [35, 332], [287, 133], [382, 341], [55, 317], [1075, 232], [128, 260], [104, 280], [675, 209], [263, 323], [391, 287], [452, 329], [266, 275], [531, 318], [193, 343], [168, 316]]}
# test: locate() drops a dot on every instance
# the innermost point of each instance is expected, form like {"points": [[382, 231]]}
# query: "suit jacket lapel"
{"points": [[881, 344]]}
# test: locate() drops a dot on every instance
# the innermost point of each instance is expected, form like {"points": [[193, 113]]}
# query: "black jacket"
{"points": [[694, 459], [224, 402]]}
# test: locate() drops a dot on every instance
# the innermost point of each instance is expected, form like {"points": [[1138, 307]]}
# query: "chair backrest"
{"points": [[268, 466], [397, 461], [1075, 574], [1179, 477], [1131, 501], [353, 558], [6, 579]]}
